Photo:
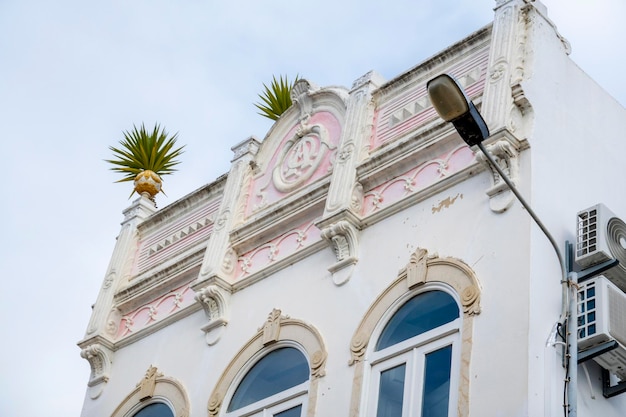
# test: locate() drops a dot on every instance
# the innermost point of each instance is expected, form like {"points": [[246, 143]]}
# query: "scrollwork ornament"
{"points": [[469, 300], [358, 345], [356, 200], [318, 360], [214, 404]]}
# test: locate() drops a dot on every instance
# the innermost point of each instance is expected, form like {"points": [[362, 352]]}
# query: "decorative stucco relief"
{"points": [[214, 301], [155, 311], [305, 154], [169, 239], [276, 249], [155, 384], [507, 157], [409, 110], [417, 179], [344, 239], [100, 359]]}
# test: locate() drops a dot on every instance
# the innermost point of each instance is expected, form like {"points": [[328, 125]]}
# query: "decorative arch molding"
{"points": [[421, 272], [277, 329], [154, 387]]}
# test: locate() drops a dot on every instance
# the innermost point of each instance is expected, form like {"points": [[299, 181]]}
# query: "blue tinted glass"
{"points": [[420, 314], [391, 392], [292, 412], [275, 372], [437, 383], [155, 410]]}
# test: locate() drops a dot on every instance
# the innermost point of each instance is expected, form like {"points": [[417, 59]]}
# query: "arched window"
{"points": [[413, 359], [155, 410], [275, 386], [411, 352], [276, 374]]}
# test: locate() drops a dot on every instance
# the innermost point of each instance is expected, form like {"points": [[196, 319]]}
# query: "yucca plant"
{"points": [[144, 156], [276, 98]]}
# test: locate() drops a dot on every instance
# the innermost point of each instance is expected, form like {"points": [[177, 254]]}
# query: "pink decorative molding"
{"points": [[155, 311], [417, 179], [174, 237], [408, 111], [305, 154], [279, 248]]}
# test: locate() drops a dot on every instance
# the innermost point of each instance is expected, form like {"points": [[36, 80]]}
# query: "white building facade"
{"points": [[362, 260]]}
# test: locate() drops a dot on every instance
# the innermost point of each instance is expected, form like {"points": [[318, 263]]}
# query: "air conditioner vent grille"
{"points": [[587, 314], [617, 315], [587, 232]]}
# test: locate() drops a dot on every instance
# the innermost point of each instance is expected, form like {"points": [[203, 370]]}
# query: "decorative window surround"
{"points": [[100, 359], [154, 387], [278, 330], [420, 271]]}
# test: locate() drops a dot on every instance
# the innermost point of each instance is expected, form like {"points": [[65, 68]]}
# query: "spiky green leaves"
{"points": [[276, 98], [143, 150]]}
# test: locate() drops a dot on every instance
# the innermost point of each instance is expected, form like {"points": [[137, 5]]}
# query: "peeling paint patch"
{"points": [[446, 203]]}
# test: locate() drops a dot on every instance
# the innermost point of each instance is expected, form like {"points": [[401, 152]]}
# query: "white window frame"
{"points": [[412, 352]]}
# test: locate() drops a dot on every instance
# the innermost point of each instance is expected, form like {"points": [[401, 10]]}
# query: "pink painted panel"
{"points": [[276, 249], [304, 155], [411, 109], [417, 179], [174, 237], [155, 311]]}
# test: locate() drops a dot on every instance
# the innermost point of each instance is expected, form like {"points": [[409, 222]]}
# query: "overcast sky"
{"points": [[75, 74]]}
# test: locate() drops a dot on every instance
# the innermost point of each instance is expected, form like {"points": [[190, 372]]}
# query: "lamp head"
{"points": [[452, 105]]}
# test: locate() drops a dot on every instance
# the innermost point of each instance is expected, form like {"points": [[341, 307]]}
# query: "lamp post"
{"points": [[453, 105]]}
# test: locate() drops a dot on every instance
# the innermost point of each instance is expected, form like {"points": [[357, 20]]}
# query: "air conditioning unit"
{"points": [[602, 318], [601, 236]]}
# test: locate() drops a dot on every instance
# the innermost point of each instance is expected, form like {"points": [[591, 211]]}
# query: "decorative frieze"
{"points": [[155, 311], [281, 247], [417, 179]]}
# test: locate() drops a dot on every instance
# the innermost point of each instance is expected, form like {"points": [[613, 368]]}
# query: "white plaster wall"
{"points": [[467, 230], [577, 152]]}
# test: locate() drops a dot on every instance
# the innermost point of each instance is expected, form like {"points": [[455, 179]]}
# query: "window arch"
{"points": [[283, 372], [287, 351], [413, 345], [154, 396]]}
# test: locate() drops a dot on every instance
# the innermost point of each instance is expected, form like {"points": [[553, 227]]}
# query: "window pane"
{"points": [[420, 314], [292, 412], [155, 410], [391, 392], [437, 383], [275, 372]]}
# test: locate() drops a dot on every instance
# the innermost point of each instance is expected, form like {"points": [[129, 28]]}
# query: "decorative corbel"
{"points": [[344, 238], [214, 301], [507, 157], [99, 358]]}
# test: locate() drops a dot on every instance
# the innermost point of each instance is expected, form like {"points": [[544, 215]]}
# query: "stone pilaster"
{"points": [[339, 224], [219, 258], [98, 341]]}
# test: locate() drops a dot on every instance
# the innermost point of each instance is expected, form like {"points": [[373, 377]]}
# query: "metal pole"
{"points": [[572, 346]]}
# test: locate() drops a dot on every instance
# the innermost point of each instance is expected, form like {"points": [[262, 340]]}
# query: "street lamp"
{"points": [[453, 105]]}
